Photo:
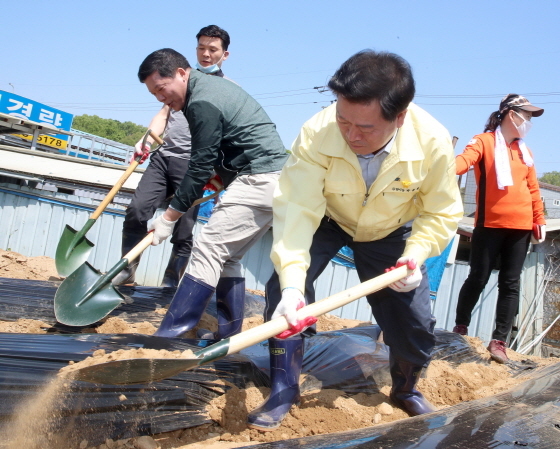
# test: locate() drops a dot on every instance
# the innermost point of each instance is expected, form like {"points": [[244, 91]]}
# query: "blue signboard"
{"points": [[27, 109]]}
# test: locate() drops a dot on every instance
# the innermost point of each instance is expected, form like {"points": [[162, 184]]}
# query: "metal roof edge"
{"points": [[67, 158]]}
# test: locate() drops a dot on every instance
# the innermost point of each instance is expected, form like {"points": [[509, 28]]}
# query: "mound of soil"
{"points": [[14, 265]]}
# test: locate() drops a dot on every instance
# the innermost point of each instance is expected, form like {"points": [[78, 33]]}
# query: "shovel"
{"points": [[73, 247], [87, 296], [139, 371]]}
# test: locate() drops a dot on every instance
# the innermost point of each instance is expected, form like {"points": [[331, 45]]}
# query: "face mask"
{"points": [[524, 128], [208, 70], [211, 68]]}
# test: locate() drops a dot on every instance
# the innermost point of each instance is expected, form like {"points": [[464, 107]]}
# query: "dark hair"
{"points": [[497, 117], [165, 61], [369, 76], [215, 31]]}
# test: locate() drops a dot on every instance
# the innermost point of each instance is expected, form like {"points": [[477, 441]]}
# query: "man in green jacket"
{"points": [[167, 168], [233, 136], [376, 173]]}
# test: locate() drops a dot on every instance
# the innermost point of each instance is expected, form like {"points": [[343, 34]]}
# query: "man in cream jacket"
{"points": [[376, 173]]}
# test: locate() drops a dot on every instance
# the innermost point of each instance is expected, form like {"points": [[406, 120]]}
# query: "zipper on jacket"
{"points": [[365, 200]]}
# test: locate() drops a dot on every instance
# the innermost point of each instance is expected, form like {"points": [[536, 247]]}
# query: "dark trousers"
{"points": [[160, 180], [487, 244], [405, 318]]}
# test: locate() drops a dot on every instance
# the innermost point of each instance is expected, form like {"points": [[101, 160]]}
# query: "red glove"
{"points": [[138, 151], [539, 234], [292, 301], [411, 281], [299, 327], [211, 186]]}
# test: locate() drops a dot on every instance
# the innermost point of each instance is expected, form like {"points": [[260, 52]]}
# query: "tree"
{"points": [[128, 133], [552, 177]]}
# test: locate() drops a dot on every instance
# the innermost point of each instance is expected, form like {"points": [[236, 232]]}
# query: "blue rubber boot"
{"points": [[230, 299], [405, 376], [230, 302], [286, 357], [186, 308]]}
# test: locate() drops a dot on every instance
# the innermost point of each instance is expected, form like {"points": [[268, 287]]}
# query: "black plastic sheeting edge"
{"points": [[33, 299], [527, 416], [96, 412]]}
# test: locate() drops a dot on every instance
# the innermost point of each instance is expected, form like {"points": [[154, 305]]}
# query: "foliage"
{"points": [[552, 177], [128, 133]]}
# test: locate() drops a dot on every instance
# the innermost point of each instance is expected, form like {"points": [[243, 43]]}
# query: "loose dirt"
{"points": [[320, 411], [101, 356], [14, 265], [33, 420]]}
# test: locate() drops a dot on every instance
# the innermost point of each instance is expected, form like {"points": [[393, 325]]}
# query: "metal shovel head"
{"points": [[141, 371], [134, 371], [78, 303], [71, 252]]}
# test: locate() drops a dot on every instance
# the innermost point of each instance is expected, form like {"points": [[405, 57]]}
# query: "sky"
{"points": [[83, 57]]}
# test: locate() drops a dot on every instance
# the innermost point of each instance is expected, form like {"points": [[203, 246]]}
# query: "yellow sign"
{"points": [[45, 139]]}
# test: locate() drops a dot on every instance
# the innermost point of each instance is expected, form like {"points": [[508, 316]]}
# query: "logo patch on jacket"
{"points": [[406, 184]]}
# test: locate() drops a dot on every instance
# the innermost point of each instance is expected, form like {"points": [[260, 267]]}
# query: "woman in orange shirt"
{"points": [[509, 207]]}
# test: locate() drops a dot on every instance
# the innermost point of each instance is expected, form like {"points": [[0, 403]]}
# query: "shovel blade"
{"points": [[71, 253], [134, 371], [69, 307]]}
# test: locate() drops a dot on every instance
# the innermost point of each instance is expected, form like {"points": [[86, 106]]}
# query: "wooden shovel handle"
{"points": [[140, 247], [107, 200], [156, 138], [274, 327]]}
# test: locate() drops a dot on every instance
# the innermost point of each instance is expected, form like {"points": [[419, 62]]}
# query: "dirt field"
{"points": [[320, 412]]}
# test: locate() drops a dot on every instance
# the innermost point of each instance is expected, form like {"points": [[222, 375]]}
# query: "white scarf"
{"points": [[501, 159]]}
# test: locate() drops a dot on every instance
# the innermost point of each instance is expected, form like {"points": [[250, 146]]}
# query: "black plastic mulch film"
{"points": [[350, 360]]}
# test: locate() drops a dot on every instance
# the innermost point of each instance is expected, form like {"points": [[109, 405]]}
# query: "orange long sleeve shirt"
{"points": [[517, 206]]}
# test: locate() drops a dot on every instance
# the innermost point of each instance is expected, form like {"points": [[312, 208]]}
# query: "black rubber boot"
{"points": [[230, 301], [175, 269], [127, 276], [186, 308], [405, 376], [286, 358]]}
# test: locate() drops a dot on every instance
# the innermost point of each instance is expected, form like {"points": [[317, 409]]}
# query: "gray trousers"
{"points": [[241, 217]]}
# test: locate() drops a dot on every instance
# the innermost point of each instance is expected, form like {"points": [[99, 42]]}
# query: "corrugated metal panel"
{"points": [[484, 313], [531, 306], [443, 307], [33, 227]]}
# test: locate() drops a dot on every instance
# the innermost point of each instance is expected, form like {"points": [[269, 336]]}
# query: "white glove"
{"points": [[162, 229], [412, 280], [292, 300], [536, 241]]}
